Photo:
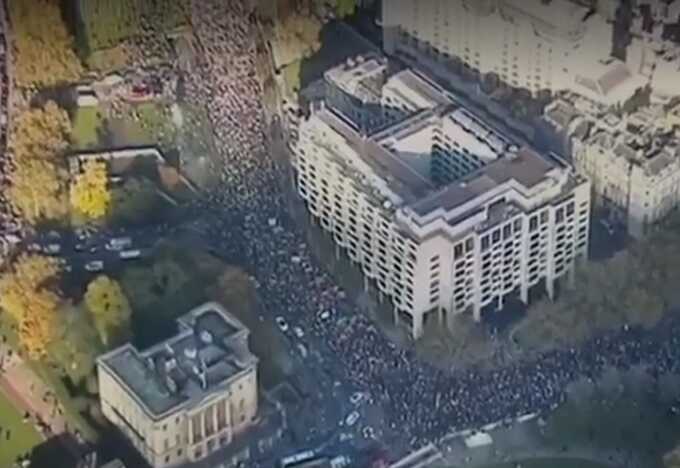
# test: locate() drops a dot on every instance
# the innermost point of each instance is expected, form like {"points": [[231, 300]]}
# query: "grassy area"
{"points": [[108, 60], [147, 124], [107, 22], [23, 437], [86, 125]]}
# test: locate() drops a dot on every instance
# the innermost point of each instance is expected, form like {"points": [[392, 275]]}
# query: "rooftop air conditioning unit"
{"points": [[206, 337]]}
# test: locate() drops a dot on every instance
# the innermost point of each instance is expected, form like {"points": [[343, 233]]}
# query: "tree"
{"points": [[30, 299], [134, 201], [169, 276], [672, 458], [41, 133], [45, 54], [76, 343], [110, 309], [140, 286], [37, 191], [345, 8], [90, 195]]}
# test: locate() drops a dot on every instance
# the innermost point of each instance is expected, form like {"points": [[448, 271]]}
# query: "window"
{"points": [[167, 459]]}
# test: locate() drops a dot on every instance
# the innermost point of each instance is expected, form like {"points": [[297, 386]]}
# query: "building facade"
{"points": [[185, 398], [443, 213], [633, 163], [531, 44]]}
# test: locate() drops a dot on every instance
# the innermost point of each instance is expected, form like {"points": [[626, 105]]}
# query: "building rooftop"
{"points": [[209, 349], [415, 89], [357, 73], [555, 13], [527, 168]]}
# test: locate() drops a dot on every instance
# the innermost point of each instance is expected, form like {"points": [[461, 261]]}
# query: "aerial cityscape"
{"points": [[340, 233]]}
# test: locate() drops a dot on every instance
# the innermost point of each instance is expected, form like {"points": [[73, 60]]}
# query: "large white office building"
{"points": [[188, 397], [556, 45], [443, 213]]}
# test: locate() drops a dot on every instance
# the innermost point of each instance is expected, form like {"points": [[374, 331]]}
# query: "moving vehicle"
{"points": [[325, 315], [352, 418], [298, 332], [281, 322], [52, 249], [94, 265], [130, 254], [118, 243], [302, 349], [341, 461], [296, 459], [356, 398]]}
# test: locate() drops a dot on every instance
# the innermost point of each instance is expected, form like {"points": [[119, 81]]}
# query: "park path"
{"points": [[28, 392]]}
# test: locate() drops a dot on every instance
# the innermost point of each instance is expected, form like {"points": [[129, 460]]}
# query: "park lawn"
{"points": [[108, 60], [107, 22], [154, 127], [86, 125], [23, 436]]}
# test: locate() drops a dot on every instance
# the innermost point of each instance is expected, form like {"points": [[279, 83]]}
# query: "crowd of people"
{"points": [[251, 225], [9, 223]]}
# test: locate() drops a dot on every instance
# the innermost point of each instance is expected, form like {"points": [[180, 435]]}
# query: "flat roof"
{"points": [[209, 349], [416, 89], [400, 178], [557, 13], [526, 167], [351, 74]]}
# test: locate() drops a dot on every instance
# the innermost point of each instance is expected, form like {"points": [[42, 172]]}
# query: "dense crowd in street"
{"points": [[250, 224], [9, 223], [420, 403]]}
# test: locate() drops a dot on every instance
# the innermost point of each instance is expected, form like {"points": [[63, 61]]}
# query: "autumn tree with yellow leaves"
{"points": [[38, 187], [110, 309], [90, 195], [37, 191], [30, 299], [40, 133], [44, 48]]}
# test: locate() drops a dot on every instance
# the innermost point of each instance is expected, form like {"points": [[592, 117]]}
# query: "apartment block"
{"points": [[187, 397], [443, 213], [632, 160]]}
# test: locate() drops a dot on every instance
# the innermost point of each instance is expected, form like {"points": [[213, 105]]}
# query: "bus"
{"points": [[292, 460]]}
